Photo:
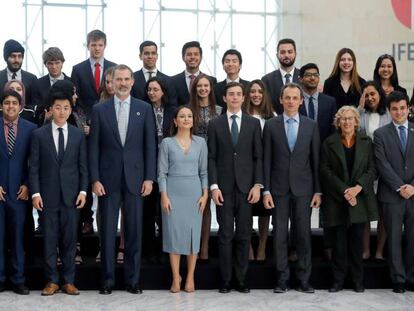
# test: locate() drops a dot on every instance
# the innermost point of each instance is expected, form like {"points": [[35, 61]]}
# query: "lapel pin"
{"points": [[138, 113]]}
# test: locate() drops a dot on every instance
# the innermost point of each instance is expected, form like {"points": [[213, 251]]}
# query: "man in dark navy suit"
{"points": [[232, 62], [13, 53], [148, 53], [14, 192], [53, 59], [286, 55], [122, 162], [88, 76], [59, 181], [192, 54]]}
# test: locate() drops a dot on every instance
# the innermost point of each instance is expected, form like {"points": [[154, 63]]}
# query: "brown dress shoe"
{"points": [[50, 289], [70, 289]]}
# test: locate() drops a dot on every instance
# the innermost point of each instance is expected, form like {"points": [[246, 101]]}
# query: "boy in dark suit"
{"points": [[14, 193], [235, 171], [59, 180]]}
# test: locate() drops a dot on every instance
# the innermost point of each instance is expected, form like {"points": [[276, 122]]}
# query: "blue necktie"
{"points": [[311, 109], [61, 145], [291, 135], [234, 130], [403, 137], [287, 78]]}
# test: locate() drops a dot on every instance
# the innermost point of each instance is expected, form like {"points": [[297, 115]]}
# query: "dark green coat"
{"points": [[335, 180]]}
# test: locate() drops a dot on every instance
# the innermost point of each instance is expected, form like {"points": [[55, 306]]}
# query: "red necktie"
{"points": [[97, 76]]}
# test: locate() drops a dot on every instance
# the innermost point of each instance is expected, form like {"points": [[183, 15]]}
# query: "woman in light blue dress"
{"points": [[183, 184]]}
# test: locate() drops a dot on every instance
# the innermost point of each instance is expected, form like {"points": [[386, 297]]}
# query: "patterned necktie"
{"points": [[234, 130], [403, 137], [14, 76], [287, 78], [11, 138], [97, 76], [192, 78], [61, 145], [311, 108], [291, 135], [122, 121]]}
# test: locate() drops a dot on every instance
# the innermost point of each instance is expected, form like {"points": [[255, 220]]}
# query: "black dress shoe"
{"points": [[105, 290], [242, 288], [409, 287], [225, 287], [281, 287], [359, 288], [305, 287], [21, 289], [133, 289], [336, 287], [2, 287], [398, 288]]}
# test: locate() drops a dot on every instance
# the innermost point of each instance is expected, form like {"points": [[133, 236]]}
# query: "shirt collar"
{"points": [[238, 114], [15, 122], [283, 73], [145, 70], [314, 96], [100, 61], [117, 100], [405, 124], [237, 80], [187, 74], [55, 126], [61, 77], [18, 73], [295, 117]]}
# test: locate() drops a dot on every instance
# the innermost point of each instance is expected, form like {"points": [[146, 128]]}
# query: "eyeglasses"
{"points": [[308, 75], [348, 119]]}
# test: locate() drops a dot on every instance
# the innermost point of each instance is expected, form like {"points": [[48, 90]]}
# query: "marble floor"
{"points": [[211, 300]]}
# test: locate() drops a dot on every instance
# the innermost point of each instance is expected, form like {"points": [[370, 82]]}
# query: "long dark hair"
{"points": [[382, 106], [195, 101], [394, 77], [173, 128], [266, 110], [164, 89]]}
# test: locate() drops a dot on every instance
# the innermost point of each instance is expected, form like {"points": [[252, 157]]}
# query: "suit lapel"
{"points": [[3, 142], [280, 127], [133, 113], [69, 143], [225, 130], [338, 150], [410, 142], [110, 115], [50, 141], [244, 124], [300, 135], [359, 154], [89, 74], [396, 137]]}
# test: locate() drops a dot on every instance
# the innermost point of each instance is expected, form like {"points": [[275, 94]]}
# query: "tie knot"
{"points": [[10, 125], [97, 65], [401, 127], [234, 117], [192, 77], [288, 75], [290, 121], [60, 129]]}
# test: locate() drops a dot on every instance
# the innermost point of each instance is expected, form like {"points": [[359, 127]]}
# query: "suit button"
{"points": [[406, 167], [235, 153]]}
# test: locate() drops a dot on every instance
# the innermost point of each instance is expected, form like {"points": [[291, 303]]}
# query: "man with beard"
{"points": [[192, 54], [13, 53], [122, 164], [287, 73]]}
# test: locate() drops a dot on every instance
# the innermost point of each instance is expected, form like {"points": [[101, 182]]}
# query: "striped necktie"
{"points": [[11, 138], [122, 121]]}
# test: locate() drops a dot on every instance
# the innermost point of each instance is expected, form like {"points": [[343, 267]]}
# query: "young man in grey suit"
{"points": [[291, 163], [394, 154], [235, 172], [286, 55]]}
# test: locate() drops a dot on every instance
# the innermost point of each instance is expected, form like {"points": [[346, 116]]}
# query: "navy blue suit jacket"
{"points": [[139, 91], [82, 77], [28, 79], [181, 89], [326, 114], [109, 161], [14, 168], [48, 177]]}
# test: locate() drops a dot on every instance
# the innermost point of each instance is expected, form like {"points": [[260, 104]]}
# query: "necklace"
{"points": [[184, 144]]}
